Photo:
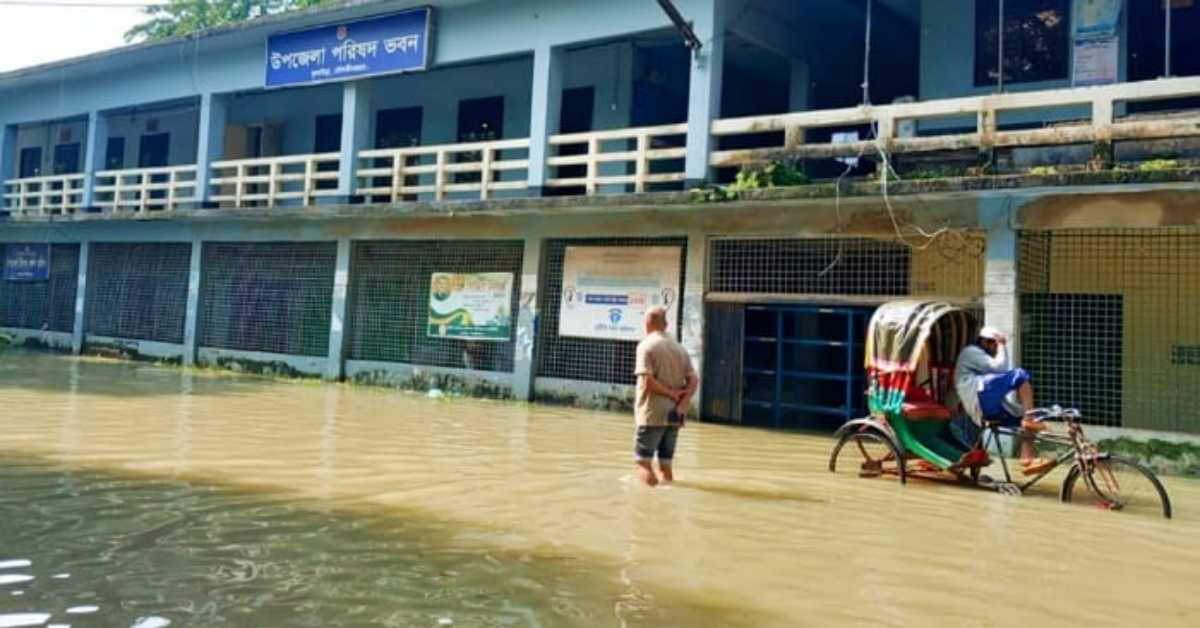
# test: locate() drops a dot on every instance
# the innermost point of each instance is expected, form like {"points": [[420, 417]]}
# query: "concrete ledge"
{"points": [[487, 384], [583, 394], [261, 363], [40, 339], [132, 349]]}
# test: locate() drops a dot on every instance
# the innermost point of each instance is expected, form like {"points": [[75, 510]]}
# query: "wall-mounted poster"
{"points": [[1097, 18], [607, 290], [1097, 61], [471, 306], [27, 262]]}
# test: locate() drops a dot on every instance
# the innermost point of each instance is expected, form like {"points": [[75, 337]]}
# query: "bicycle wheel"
{"points": [[1117, 483], [867, 453]]}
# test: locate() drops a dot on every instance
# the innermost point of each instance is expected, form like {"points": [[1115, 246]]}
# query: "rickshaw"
{"points": [[916, 428]]}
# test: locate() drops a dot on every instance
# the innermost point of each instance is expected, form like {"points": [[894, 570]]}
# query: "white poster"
{"points": [[1097, 61], [607, 290]]}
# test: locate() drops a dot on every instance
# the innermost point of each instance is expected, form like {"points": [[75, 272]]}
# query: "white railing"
{"points": [[44, 195], [637, 149], [388, 172], [264, 181], [1101, 126], [145, 189]]}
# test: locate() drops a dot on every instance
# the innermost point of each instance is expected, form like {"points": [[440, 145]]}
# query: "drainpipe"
{"points": [[1000, 52], [1167, 40]]}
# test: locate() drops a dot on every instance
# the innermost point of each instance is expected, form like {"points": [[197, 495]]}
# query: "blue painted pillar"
{"points": [[214, 114], [545, 112], [526, 336], [1000, 288], [691, 317], [96, 144], [80, 300], [356, 134], [8, 158], [337, 318], [191, 315], [704, 92]]}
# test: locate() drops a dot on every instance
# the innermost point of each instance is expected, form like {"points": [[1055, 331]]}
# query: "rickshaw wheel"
{"points": [[869, 453]]}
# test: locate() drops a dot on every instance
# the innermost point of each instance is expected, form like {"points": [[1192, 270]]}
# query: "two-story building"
{"points": [[482, 195]]}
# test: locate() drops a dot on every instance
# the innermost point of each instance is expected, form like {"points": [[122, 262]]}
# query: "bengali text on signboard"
{"points": [[607, 290], [471, 306], [381, 45], [27, 262]]}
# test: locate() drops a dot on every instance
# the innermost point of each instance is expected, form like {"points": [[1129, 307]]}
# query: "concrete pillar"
{"points": [[337, 318], [545, 111], [691, 320], [96, 145], [8, 157], [356, 134], [1000, 289], [526, 336], [192, 316], [80, 301], [704, 92], [800, 86], [214, 114]]}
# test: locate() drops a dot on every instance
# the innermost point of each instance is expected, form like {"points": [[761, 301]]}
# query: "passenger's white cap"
{"points": [[989, 332]]}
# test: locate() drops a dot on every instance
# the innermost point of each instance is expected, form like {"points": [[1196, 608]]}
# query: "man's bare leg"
{"points": [[646, 473], [667, 475]]}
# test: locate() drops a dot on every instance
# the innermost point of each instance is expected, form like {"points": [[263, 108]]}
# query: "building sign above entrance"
{"points": [[380, 45]]}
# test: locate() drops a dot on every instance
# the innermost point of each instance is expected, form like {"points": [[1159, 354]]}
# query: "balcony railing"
{"points": [[58, 194], [265, 181], [1100, 125], [647, 151], [145, 189], [399, 173]]}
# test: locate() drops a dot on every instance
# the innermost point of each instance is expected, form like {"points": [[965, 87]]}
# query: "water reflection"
{"points": [[205, 499]]}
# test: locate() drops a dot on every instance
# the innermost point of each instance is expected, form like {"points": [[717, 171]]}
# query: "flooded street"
{"points": [[130, 492]]}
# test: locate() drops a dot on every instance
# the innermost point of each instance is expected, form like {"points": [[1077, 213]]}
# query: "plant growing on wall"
{"points": [[772, 175], [184, 17]]}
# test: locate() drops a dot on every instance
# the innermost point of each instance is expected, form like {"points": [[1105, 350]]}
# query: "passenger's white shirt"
{"points": [[973, 363]]}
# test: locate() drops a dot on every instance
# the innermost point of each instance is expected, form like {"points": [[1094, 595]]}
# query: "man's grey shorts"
{"points": [[654, 439]]}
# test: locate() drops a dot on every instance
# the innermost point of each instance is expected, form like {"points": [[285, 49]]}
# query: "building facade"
{"points": [[297, 195]]}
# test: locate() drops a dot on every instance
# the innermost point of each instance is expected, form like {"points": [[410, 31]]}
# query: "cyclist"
{"points": [[990, 389]]}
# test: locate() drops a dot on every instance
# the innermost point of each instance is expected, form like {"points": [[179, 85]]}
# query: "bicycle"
{"points": [[1115, 482]]}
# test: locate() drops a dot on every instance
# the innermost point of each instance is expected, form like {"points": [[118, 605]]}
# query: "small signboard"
{"points": [[27, 262], [607, 290], [471, 306], [1097, 18], [389, 44]]}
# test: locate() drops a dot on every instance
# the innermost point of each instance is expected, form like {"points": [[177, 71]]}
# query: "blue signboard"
{"points": [[380, 45], [27, 262]]}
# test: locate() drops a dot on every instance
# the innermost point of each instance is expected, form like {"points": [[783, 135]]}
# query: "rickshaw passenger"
{"points": [[990, 389]]}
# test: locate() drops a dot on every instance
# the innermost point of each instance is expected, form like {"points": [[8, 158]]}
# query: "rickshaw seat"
{"points": [[925, 411], [919, 405]]}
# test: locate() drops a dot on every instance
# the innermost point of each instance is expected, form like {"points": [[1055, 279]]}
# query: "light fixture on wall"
{"points": [[152, 125]]}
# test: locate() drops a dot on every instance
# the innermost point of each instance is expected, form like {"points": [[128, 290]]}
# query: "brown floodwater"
{"points": [[138, 495]]}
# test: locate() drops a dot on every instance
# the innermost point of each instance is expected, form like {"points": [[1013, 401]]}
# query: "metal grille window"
{"points": [[48, 305], [1103, 315], [842, 266], [138, 291], [389, 301], [588, 359], [274, 297]]}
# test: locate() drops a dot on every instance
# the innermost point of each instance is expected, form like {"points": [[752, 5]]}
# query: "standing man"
{"points": [[666, 382]]}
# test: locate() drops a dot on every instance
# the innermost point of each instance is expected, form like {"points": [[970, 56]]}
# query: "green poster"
{"points": [[471, 306]]}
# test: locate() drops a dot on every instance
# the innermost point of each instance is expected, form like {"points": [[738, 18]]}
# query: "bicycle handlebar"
{"points": [[1054, 412]]}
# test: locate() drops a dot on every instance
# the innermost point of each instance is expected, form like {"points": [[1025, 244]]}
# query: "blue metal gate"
{"points": [[802, 366]]}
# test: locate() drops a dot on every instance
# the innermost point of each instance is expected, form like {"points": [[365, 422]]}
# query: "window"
{"points": [[479, 120], [1036, 41]]}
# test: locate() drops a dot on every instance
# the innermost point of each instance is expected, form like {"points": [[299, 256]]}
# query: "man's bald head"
{"points": [[656, 319]]}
